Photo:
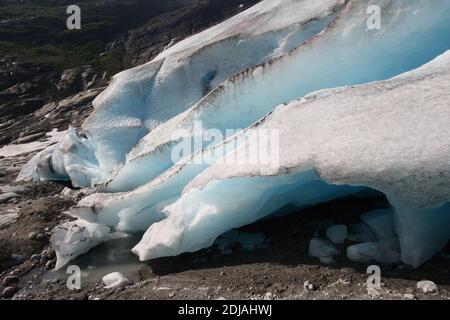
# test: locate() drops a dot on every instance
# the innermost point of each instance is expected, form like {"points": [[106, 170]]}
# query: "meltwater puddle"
{"points": [[116, 256], [112, 256]]}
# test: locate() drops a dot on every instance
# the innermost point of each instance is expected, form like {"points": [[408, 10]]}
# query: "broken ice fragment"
{"points": [[115, 280], [337, 234], [380, 223], [75, 238], [323, 249], [386, 252], [427, 286], [391, 135], [360, 232]]}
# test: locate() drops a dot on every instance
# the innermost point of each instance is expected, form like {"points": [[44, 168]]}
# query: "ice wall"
{"points": [[386, 135], [347, 53], [140, 99], [396, 142]]}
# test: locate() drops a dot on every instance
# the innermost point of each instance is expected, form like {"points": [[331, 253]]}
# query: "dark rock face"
{"points": [[49, 75], [179, 20]]}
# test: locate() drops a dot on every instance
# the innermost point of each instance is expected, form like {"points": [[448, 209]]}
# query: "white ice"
{"points": [[341, 142], [140, 99], [323, 249], [115, 280], [386, 252], [387, 135], [73, 239], [14, 150]]}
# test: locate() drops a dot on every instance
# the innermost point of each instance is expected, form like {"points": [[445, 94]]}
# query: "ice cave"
{"points": [[356, 109]]}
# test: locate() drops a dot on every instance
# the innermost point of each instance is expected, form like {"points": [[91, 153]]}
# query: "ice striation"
{"points": [[329, 142], [140, 99], [355, 109]]}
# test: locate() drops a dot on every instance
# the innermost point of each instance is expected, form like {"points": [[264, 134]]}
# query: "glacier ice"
{"points": [[323, 249], [335, 57], [380, 223], [386, 252], [337, 234], [360, 232], [75, 238], [115, 280], [371, 131], [340, 142], [140, 99]]}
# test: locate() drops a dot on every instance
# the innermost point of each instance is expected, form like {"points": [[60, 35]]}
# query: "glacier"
{"points": [[355, 109], [140, 99]]}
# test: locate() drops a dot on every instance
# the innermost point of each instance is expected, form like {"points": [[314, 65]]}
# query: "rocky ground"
{"points": [[49, 76], [279, 268], [40, 93]]}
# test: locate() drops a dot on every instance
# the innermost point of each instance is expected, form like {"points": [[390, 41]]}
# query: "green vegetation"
{"points": [[9, 11], [38, 33], [64, 56]]}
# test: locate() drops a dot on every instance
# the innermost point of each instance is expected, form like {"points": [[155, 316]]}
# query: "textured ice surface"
{"points": [[323, 249], [338, 134], [337, 234], [389, 135], [140, 99], [387, 252], [380, 223], [360, 233], [115, 280], [72, 239], [334, 58]]}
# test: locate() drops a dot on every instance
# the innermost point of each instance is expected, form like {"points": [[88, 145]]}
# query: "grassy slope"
{"points": [[38, 33]]}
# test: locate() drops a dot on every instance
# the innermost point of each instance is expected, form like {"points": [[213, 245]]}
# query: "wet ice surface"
{"points": [[112, 256], [116, 256]]}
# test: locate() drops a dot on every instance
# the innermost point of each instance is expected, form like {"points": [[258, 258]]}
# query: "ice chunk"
{"points": [[72, 159], [308, 68], [14, 150], [340, 142], [386, 251], [360, 232], [423, 232], [73, 239], [337, 234], [380, 223], [115, 280], [140, 99], [388, 135], [323, 249], [427, 286]]}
